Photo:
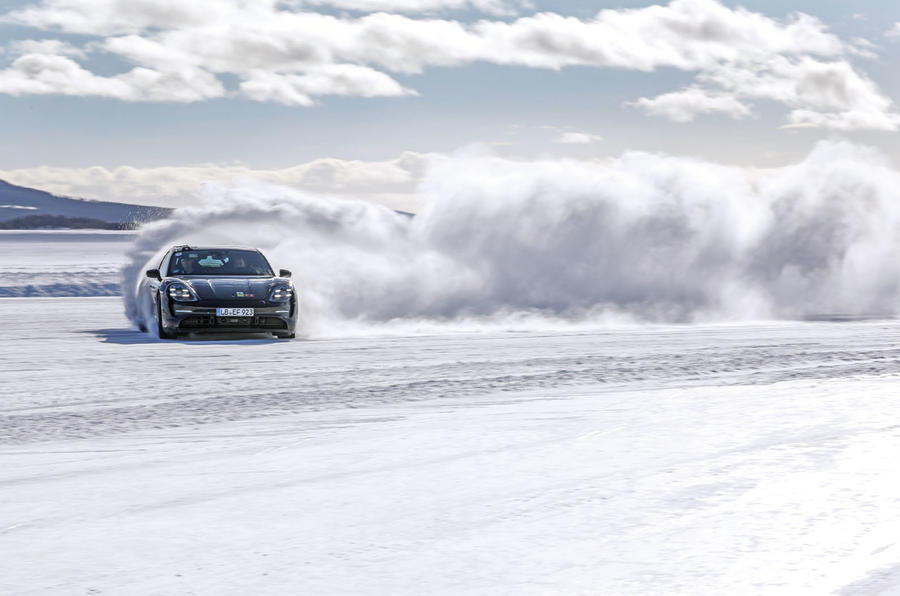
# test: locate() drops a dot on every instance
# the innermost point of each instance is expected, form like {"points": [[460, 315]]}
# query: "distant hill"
{"points": [[29, 208], [56, 222]]}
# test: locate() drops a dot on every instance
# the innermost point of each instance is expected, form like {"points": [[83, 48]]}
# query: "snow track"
{"points": [[738, 459], [137, 383]]}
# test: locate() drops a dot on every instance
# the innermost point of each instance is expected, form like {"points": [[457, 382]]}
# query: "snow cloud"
{"points": [[645, 237], [286, 53]]}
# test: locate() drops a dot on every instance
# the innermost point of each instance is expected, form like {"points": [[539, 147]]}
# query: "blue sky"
{"points": [[92, 92]]}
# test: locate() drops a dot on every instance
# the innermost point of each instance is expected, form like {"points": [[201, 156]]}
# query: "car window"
{"points": [[218, 262]]}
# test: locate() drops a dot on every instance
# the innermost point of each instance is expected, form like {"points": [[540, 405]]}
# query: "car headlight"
{"points": [[281, 294], [182, 293]]}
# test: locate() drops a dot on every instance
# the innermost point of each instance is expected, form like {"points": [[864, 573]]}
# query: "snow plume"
{"points": [[643, 237]]}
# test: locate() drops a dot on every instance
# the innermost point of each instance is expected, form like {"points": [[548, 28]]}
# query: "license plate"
{"points": [[234, 312]]}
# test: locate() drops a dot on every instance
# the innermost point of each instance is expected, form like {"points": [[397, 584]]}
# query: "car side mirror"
{"points": [[154, 274], [284, 273]]}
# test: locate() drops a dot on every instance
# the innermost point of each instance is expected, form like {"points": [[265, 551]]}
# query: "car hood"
{"points": [[232, 288]]}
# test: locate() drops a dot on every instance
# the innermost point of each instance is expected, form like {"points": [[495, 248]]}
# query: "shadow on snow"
{"points": [[128, 336]]}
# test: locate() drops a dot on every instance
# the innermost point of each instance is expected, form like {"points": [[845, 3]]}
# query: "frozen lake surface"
{"points": [[756, 458], [62, 263]]}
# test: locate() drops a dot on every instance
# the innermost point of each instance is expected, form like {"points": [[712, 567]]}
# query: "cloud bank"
{"points": [[644, 238], [391, 182], [493, 7], [283, 52]]}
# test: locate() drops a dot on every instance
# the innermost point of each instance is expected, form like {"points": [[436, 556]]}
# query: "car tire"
{"points": [[288, 336], [161, 331]]}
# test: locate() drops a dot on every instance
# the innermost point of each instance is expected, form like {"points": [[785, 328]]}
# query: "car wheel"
{"points": [[163, 334], [288, 336]]}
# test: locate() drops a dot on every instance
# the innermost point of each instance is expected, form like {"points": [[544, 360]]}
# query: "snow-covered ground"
{"points": [[714, 459], [62, 263]]}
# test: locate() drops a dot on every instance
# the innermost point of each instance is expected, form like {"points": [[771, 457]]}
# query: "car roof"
{"points": [[191, 247]]}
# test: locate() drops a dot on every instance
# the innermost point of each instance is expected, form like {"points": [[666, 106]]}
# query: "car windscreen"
{"points": [[218, 262]]}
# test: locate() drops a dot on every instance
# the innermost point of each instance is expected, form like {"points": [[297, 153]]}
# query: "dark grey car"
{"points": [[218, 290]]}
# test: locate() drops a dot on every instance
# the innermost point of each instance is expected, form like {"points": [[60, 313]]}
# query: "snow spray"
{"points": [[643, 237]]}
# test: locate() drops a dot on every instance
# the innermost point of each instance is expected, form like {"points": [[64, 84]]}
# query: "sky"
{"points": [[146, 100]]}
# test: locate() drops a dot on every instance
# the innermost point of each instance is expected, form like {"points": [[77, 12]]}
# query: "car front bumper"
{"points": [[182, 318]]}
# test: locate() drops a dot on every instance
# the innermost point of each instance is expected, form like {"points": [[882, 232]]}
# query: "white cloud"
{"points": [[52, 47], [391, 182], [577, 138], [842, 98], [494, 7], [110, 17], [280, 52], [43, 74], [685, 105], [332, 79], [893, 31], [822, 94], [687, 34], [848, 120]]}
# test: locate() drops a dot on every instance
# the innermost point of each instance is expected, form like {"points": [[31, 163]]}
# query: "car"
{"points": [[229, 290]]}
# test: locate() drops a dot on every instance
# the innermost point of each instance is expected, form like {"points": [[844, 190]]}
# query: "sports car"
{"points": [[217, 290]]}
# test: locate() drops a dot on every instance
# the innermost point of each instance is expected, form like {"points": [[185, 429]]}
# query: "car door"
{"points": [[153, 284]]}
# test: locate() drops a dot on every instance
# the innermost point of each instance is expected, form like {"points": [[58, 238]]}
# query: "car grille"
{"points": [[271, 323], [197, 322], [211, 322]]}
